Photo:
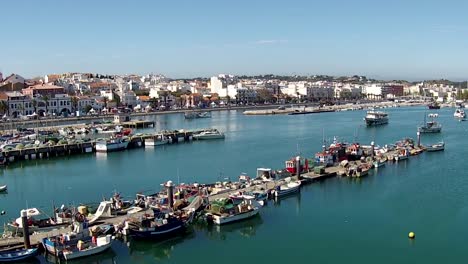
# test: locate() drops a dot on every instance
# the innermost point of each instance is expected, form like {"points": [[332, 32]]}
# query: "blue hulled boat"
{"points": [[161, 226], [18, 255]]}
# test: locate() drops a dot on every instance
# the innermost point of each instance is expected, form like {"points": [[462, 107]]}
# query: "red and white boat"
{"points": [[291, 165]]}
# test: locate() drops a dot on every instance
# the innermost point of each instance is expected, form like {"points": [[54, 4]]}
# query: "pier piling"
{"points": [[419, 138], [24, 221], [170, 193], [298, 167]]}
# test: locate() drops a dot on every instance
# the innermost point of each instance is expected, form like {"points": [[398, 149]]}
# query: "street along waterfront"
{"points": [[365, 220]]}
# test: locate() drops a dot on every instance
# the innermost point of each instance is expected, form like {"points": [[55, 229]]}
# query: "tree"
{"points": [[264, 95], [74, 101], [34, 104], [88, 108], [21, 108], [105, 102], [46, 100], [4, 107]]}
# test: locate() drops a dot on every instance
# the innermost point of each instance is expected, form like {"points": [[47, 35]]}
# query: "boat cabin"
{"points": [[324, 158], [265, 174], [291, 165]]}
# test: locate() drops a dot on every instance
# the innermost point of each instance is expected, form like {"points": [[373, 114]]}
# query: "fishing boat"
{"points": [[403, 154], [379, 163], [287, 188], [112, 144], [157, 140], [162, 225], [376, 118], [17, 255], [78, 247], [87, 249], [3, 188], [459, 113], [433, 105], [209, 134], [34, 225], [224, 211], [431, 126], [436, 147], [259, 196], [193, 115], [204, 115]]}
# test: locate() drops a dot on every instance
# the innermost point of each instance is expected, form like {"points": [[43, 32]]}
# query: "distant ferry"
{"points": [[375, 118]]}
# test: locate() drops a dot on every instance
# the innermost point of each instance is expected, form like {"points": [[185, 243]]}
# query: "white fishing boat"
{"points": [[459, 113], [431, 126], [88, 249], [112, 144], [209, 134], [375, 118], [287, 188], [436, 147], [3, 188], [157, 140], [224, 211], [403, 154]]}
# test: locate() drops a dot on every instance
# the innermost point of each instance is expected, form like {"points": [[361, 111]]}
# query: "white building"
{"points": [[372, 90], [129, 99]]}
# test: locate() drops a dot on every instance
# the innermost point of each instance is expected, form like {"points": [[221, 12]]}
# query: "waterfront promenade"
{"points": [[257, 109]]}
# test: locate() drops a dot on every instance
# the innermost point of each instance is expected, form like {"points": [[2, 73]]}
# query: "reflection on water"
{"points": [[157, 251], [109, 256], [245, 228]]}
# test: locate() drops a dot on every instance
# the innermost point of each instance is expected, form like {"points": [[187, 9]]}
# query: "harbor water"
{"points": [[337, 220]]}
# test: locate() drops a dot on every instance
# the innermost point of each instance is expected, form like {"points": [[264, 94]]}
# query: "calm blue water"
{"points": [[334, 221]]}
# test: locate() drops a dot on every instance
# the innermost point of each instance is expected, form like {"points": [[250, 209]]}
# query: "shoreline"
{"points": [[56, 122]]}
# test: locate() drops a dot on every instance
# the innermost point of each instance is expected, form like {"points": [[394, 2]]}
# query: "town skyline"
{"points": [[186, 40]]}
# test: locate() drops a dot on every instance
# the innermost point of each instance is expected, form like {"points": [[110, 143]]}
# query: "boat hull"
{"points": [[430, 130], [203, 137], [110, 147], [222, 220], [290, 190], [150, 142], [14, 256], [86, 252], [376, 122], [158, 233]]}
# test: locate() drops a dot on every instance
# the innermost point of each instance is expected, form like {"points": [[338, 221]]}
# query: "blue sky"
{"points": [[382, 39]]}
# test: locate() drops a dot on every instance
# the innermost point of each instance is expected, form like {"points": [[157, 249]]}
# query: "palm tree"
{"points": [[34, 104], [74, 101], [21, 107], [105, 102], [46, 100], [4, 107]]}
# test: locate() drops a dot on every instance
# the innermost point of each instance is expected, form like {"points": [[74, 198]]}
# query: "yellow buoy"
{"points": [[411, 235]]}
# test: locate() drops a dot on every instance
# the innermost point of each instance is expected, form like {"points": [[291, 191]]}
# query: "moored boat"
{"points": [[403, 154], [433, 105], [436, 147], [376, 118], [112, 144], [459, 113], [69, 248], [287, 188], [17, 255], [209, 134], [162, 225], [157, 140], [224, 211], [34, 225], [3, 188]]}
